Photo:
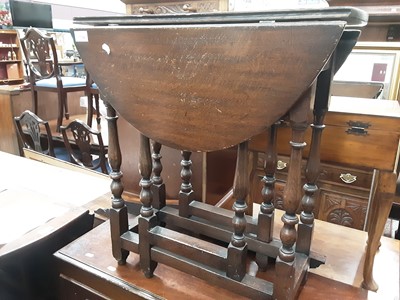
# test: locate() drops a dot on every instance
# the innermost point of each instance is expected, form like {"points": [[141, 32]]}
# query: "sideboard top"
{"points": [[354, 17]]}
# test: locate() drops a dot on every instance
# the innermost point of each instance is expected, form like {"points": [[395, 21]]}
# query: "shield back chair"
{"points": [[44, 72], [35, 134], [85, 146]]}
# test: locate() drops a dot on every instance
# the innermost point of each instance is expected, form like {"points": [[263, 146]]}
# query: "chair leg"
{"points": [[35, 102], [89, 109], [97, 98], [66, 112], [61, 102]]}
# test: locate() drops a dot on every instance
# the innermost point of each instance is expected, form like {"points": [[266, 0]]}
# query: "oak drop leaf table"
{"points": [[206, 82]]}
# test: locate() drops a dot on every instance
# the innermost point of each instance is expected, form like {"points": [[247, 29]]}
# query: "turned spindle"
{"points": [[147, 218], [118, 212], [237, 249], [285, 262], [158, 187], [186, 192]]}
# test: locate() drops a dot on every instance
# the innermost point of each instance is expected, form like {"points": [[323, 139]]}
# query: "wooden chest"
{"points": [[361, 135]]}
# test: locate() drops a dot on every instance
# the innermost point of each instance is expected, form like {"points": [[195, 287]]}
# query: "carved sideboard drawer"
{"points": [[190, 6], [338, 175], [343, 209]]}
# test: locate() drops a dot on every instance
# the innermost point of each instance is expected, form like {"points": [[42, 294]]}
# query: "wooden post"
{"points": [[186, 193], [158, 187], [147, 218], [267, 210], [237, 249], [321, 94], [119, 211], [285, 264]]}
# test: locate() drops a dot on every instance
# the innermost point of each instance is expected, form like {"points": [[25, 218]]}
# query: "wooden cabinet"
{"points": [[336, 201], [11, 66], [361, 135]]}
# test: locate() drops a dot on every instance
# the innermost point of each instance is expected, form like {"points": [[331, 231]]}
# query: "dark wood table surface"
{"points": [[89, 260]]}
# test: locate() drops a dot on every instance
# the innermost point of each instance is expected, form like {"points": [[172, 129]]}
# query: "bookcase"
{"points": [[11, 63]]}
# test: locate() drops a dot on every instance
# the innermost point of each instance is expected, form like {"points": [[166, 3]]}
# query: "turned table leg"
{"points": [[285, 262], [380, 208], [119, 211]]}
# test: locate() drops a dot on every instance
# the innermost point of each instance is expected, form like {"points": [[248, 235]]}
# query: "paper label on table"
{"points": [[81, 36]]}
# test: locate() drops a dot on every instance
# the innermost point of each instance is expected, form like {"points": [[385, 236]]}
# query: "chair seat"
{"points": [[62, 153], [66, 81]]}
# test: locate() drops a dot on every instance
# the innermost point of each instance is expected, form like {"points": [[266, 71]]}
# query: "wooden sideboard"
{"points": [[361, 135], [10, 96]]}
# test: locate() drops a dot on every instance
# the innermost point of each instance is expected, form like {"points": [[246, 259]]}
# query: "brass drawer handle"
{"points": [[280, 165], [348, 178]]}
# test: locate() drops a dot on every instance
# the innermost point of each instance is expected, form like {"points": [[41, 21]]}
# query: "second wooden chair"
{"points": [[85, 146], [35, 134]]}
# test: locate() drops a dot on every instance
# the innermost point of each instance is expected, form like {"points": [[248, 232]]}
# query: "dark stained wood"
{"points": [[158, 187], [119, 213], [237, 249], [85, 155], [41, 55], [322, 96], [127, 282], [266, 215], [29, 127], [186, 192], [204, 108], [147, 218], [217, 86], [285, 264]]}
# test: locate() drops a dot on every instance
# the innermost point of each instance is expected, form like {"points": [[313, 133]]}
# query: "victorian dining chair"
{"points": [[85, 146], [44, 73], [35, 134]]}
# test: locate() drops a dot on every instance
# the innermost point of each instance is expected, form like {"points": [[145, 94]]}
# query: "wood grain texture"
{"points": [[214, 86], [339, 278], [376, 149]]}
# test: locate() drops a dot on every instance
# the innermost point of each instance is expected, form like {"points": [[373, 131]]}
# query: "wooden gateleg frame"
{"points": [[212, 262], [156, 236]]}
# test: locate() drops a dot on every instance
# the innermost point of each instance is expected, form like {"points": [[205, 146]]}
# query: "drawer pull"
{"points": [[280, 165], [358, 128], [348, 178]]}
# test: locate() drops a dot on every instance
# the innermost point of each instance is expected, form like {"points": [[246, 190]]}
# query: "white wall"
{"points": [[63, 11], [104, 5]]}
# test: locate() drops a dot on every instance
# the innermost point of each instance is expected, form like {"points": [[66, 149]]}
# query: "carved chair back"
{"points": [[40, 54], [45, 74], [85, 146], [30, 128]]}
